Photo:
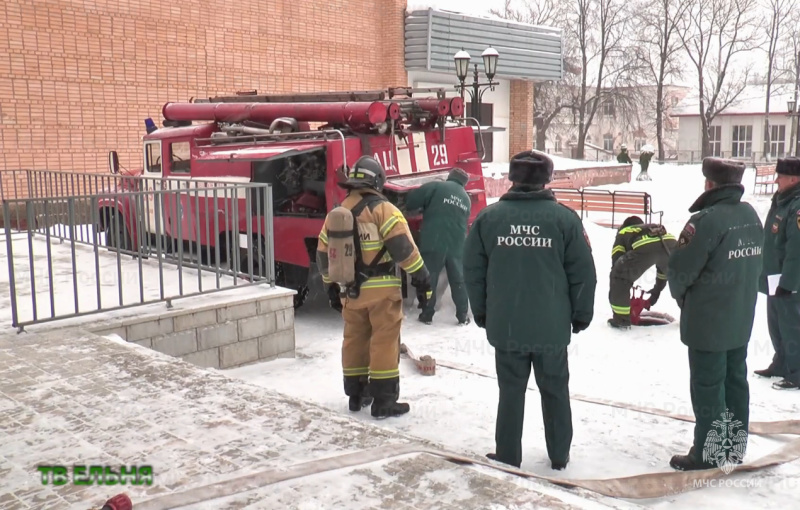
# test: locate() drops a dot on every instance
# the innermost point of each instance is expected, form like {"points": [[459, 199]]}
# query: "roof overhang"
{"points": [[527, 52]]}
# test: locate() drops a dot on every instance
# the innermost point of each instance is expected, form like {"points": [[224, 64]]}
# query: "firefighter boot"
{"points": [[357, 388], [619, 321], [386, 392]]}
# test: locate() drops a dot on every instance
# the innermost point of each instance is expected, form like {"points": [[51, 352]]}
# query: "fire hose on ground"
{"points": [[646, 486]]}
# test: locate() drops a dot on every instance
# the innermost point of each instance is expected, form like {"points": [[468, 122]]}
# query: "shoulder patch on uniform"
{"points": [[798, 219], [686, 234]]}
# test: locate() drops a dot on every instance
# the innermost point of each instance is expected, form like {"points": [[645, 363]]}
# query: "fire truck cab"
{"points": [[270, 139]]}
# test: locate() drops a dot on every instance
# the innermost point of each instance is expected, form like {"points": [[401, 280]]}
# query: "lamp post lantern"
{"points": [[462, 61]]}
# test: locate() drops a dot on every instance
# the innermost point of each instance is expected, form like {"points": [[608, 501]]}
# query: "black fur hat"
{"points": [[458, 175], [530, 167], [788, 166], [723, 171]]}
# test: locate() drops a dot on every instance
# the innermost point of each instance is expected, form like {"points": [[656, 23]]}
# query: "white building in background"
{"points": [[738, 131]]}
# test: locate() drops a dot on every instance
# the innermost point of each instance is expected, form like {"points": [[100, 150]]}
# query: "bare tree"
{"points": [[538, 12], [549, 98], [658, 49], [715, 32], [779, 15], [598, 28], [788, 66]]}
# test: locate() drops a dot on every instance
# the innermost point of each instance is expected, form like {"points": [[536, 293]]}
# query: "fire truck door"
{"points": [[154, 181]]}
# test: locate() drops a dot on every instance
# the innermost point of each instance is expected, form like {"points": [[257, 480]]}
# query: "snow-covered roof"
{"points": [[752, 101], [475, 9]]}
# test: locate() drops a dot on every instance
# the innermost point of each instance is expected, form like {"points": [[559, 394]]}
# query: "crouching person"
{"points": [[530, 277]]}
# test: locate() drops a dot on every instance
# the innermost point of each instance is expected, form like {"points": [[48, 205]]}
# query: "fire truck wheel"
{"points": [[116, 233]]}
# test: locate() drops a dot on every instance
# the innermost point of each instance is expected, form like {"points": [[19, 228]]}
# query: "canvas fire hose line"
{"points": [[755, 427], [651, 485]]}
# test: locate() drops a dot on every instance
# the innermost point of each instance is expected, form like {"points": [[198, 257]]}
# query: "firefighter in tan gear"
{"points": [[371, 305]]}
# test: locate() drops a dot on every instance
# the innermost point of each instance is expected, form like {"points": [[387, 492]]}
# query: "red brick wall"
{"points": [[575, 178], [520, 130], [78, 78]]}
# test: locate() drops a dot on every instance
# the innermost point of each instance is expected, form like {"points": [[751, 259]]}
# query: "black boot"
{"points": [[493, 456], [768, 372], [357, 388], [688, 462], [620, 322], [386, 392]]}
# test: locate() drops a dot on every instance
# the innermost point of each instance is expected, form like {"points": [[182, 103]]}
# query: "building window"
{"points": [[638, 144], [180, 157], [777, 141], [557, 146], [608, 108], [608, 143], [715, 139], [742, 146]]}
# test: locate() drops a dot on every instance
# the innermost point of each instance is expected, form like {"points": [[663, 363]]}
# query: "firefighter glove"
{"points": [[480, 321], [578, 326], [421, 280], [654, 295], [333, 296]]}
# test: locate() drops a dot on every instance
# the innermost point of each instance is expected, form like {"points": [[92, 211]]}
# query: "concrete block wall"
{"points": [[223, 335]]}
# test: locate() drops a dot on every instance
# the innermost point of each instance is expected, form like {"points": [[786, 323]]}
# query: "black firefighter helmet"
{"points": [[365, 173]]}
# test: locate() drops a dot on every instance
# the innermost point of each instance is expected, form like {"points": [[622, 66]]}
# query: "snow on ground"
{"points": [[51, 271], [644, 366]]}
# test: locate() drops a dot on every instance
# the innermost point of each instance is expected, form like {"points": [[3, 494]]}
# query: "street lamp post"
{"points": [[791, 105], [462, 60]]}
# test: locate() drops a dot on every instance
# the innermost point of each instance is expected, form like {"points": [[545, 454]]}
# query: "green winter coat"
{"points": [[624, 157], [445, 209], [529, 271], [782, 241], [713, 272]]}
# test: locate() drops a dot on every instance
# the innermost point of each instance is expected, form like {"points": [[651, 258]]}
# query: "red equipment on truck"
{"points": [[269, 139]]}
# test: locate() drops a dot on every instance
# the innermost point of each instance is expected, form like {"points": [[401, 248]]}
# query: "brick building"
{"points": [[77, 79]]}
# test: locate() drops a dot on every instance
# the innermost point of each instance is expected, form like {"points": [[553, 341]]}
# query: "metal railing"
{"points": [[687, 157], [131, 241]]}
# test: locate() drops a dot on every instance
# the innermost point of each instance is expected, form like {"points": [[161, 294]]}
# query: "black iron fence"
{"points": [[80, 244]]}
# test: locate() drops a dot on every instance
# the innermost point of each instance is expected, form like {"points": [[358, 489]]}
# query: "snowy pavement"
{"points": [[644, 366], [71, 399]]}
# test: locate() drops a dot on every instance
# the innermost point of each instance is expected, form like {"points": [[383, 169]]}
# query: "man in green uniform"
{"points": [[782, 258], [713, 275], [445, 207], [623, 156], [530, 277], [637, 247]]}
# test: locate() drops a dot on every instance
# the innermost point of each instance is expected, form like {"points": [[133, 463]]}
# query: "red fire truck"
{"points": [[300, 145]]}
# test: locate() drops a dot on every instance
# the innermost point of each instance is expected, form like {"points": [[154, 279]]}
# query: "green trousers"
{"points": [[450, 262], [551, 371], [783, 320], [718, 383]]}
